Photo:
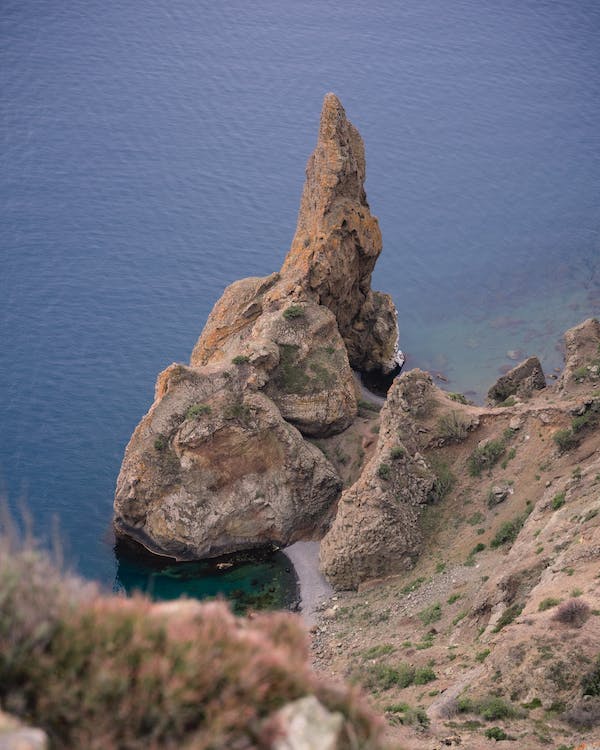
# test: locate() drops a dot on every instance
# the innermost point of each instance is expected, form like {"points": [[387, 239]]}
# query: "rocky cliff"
{"points": [[220, 462]]}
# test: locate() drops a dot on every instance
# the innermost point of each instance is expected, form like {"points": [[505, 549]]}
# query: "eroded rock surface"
{"points": [[214, 468], [522, 380], [582, 356], [219, 463], [376, 529]]}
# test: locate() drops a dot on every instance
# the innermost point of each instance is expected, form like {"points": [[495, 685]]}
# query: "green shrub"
{"points": [[237, 410], [508, 532], [590, 682], [384, 676], [452, 427], [581, 422], [485, 456], [444, 480], [460, 398], [479, 547], [384, 471], [240, 359], [423, 675], [481, 656], [454, 598], [375, 652], [493, 708], [510, 401], [293, 311], [402, 713], [397, 452], [412, 586], [509, 615], [460, 616], [495, 733], [160, 443], [197, 410], [565, 439], [580, 374], [558, 501], [548, 603], [431, 614]]}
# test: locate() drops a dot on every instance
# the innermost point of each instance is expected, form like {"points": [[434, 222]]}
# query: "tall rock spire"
{"points": [[338, 241]]}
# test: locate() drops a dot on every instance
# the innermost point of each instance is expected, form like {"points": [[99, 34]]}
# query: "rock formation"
{"points": [[219, 463], [522, 380], [376, 529]]}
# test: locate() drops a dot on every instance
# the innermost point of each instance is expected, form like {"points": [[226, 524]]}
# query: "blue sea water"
{"points": [[154, 152]]}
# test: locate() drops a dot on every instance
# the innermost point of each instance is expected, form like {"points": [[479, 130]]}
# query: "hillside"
{"points": [[495, 629]]}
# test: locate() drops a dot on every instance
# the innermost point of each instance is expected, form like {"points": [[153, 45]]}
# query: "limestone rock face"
{"points": [[522, 380], [330, 263], [376, 531], [214, 468], [582, 356], [338, 241]]}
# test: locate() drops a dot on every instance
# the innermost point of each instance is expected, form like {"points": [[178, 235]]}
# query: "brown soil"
{"points": [[441, 617]]}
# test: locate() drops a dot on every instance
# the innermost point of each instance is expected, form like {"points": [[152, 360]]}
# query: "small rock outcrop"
{"points": [[582, 356], [376, 529], [220, 463], [522, 380]]}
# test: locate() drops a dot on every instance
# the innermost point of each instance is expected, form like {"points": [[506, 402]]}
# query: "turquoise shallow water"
{"points": [[151, 154]]}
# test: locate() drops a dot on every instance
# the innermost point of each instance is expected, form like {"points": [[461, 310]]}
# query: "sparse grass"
{"points": [[590, 682], [402, 713], [237, 410], [160, 443], [384, 676], [197, 410], [413, 585], [460, 398], [582, 421], [508, 532], [510, 401], [558, 501], [293, 312], [424, 675], [240, 359], [454, 598], [485, 456], [384, 472], [565, 439], [431, 614], [496, 733], [509, 615], [460, 616], [375, 652], [481, 656], [397, 452], [509, 456], [548, 603], [452, 427], [490, 708], [444, 479]]}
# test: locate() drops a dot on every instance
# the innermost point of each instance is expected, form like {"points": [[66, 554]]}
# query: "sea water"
{"points": [[154, 152]]}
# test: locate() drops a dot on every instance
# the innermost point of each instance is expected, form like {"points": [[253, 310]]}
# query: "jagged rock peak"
{"points": [[338, 241]]}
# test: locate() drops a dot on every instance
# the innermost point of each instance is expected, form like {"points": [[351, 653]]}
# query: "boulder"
{"points": [[521, 381], [214, 468]]}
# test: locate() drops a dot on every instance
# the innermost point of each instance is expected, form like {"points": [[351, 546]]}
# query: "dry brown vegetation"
{"points": [[107, 672]]}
